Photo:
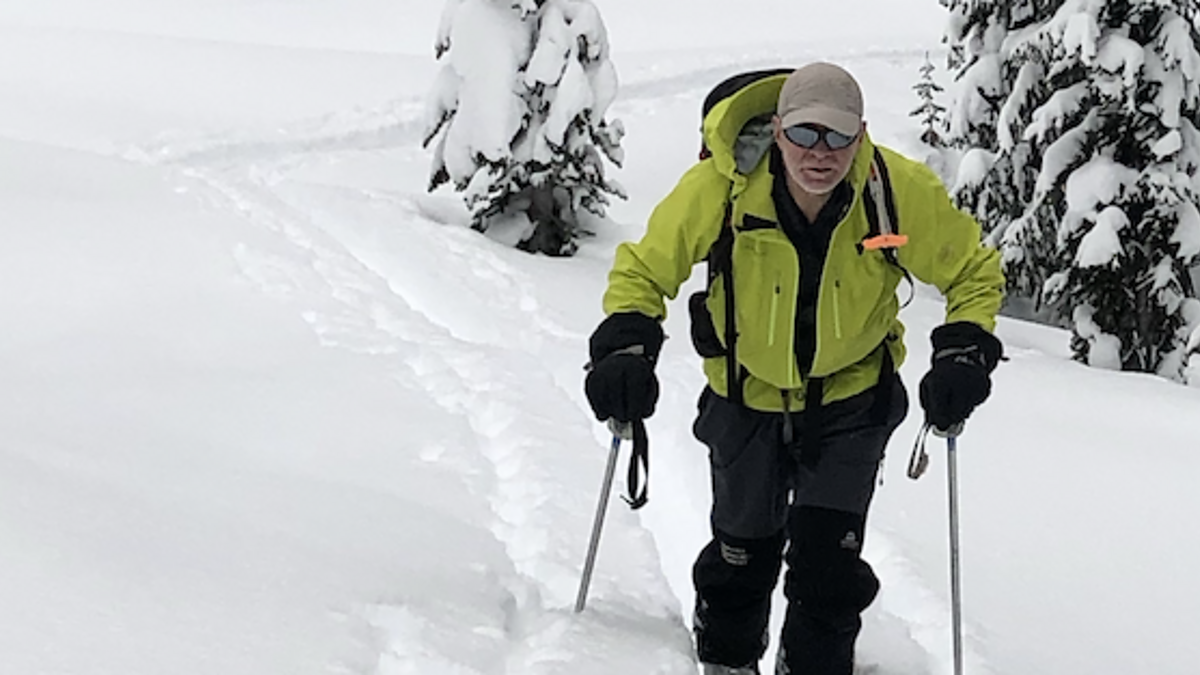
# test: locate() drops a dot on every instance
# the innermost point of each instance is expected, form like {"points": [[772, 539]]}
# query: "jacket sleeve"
{"points": [[945, 248], [681, 230]]}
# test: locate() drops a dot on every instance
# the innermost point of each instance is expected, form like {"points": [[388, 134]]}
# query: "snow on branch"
{"points": [[519, 114], [1076, 124]]}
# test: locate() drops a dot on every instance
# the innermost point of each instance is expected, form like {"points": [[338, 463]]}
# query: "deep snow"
{"points": [[270, 408]]}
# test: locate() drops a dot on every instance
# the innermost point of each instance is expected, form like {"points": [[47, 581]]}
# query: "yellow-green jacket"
{"points": [[857, 305]]}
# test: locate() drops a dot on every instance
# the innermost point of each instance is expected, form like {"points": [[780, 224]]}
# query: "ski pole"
{"points": [[955, 568], [598, 523]]}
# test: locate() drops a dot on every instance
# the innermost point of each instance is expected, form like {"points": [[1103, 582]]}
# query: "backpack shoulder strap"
{"points": [[719, 261], [720, 256], [720, 264], [883, 222]]}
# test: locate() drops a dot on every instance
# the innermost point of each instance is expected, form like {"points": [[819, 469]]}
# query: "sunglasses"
{"points": [[808, 136]]}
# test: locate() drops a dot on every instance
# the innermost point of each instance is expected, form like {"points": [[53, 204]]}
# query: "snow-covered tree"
{"points": [[994, 186], [930, 112], [518, 111], [1091, 183]]}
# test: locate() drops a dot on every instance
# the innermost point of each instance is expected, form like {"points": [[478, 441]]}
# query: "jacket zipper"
{"points": [[794, 371], [771, 324], [837, 312]]}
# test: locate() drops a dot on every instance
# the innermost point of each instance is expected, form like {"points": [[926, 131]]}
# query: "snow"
{"points": [[1170, 97], [1104, 350], [1063, 151], [1168, 145], [520, 104], [489, 105], [268, 407], [974, 167], [1102, 244], [1079, 35], [1098, 182], [977, 86], [1177, 47], [1119, 54], [1030, 76], [1063, 104], [1187, 232]]}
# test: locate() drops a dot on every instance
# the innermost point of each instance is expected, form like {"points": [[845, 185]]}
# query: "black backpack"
{"points": [[728, 87]]}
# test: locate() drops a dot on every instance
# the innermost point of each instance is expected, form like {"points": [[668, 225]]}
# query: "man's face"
{"points": [[817, 169]]}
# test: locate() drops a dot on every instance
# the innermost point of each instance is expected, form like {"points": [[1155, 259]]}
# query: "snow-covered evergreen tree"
{"points": [[1091, 185], [930, 112], [519, 113], [993, 185]]}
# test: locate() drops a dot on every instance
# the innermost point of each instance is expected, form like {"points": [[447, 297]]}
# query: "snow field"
{"points": [[269, 407]]}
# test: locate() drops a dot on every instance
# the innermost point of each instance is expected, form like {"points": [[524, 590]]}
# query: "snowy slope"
{"points": [[268, 407]]}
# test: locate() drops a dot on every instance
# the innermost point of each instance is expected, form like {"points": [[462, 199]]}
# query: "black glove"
{"points": [[964, 356], [620, 383]]}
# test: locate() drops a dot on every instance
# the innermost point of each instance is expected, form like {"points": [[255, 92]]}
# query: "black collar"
{"points": [[808, 237]]}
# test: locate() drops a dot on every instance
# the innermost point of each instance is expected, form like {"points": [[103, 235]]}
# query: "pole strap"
{"points": [[918, 462], [638, 479]]}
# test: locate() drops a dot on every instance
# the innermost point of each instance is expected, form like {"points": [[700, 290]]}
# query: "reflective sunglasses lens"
{"points": [[805, 137], [836, 140]]}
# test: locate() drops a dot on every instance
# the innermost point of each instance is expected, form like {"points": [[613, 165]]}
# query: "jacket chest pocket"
{"points": [[863, 284], [765, 274], [860, 305]]}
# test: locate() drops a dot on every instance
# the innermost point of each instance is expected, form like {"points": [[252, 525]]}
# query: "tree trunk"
{"points": [[551, 234], [1143, 352]]}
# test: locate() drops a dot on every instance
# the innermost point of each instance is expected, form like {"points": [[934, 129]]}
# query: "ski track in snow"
{"points": [[357, 270], [531, 629], [529, 499]]}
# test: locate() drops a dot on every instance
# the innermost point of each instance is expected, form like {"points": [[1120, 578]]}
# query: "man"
{"points": [[801, 340]]}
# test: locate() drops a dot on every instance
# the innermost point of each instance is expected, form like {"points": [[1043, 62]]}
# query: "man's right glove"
{"points": [[964, 356], [620, 383]]}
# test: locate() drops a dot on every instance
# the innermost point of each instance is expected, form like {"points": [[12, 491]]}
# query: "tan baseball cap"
{"points": [[824, 94]]}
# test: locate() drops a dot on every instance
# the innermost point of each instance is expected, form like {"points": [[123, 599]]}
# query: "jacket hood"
{"points": [[739, 134]]}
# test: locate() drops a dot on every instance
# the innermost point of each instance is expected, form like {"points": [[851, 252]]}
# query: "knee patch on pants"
{"points": [[734, 579], [732, 571], [826, 575]]}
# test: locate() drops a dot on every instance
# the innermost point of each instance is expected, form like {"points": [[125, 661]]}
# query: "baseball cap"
{"points": [[824, 94]]}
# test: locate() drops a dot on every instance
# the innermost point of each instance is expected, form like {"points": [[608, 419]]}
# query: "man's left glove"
{"points": [[620, 383], [964, 356]]}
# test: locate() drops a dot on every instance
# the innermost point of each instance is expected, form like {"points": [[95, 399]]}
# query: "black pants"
{"points": [[766, 501]]}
